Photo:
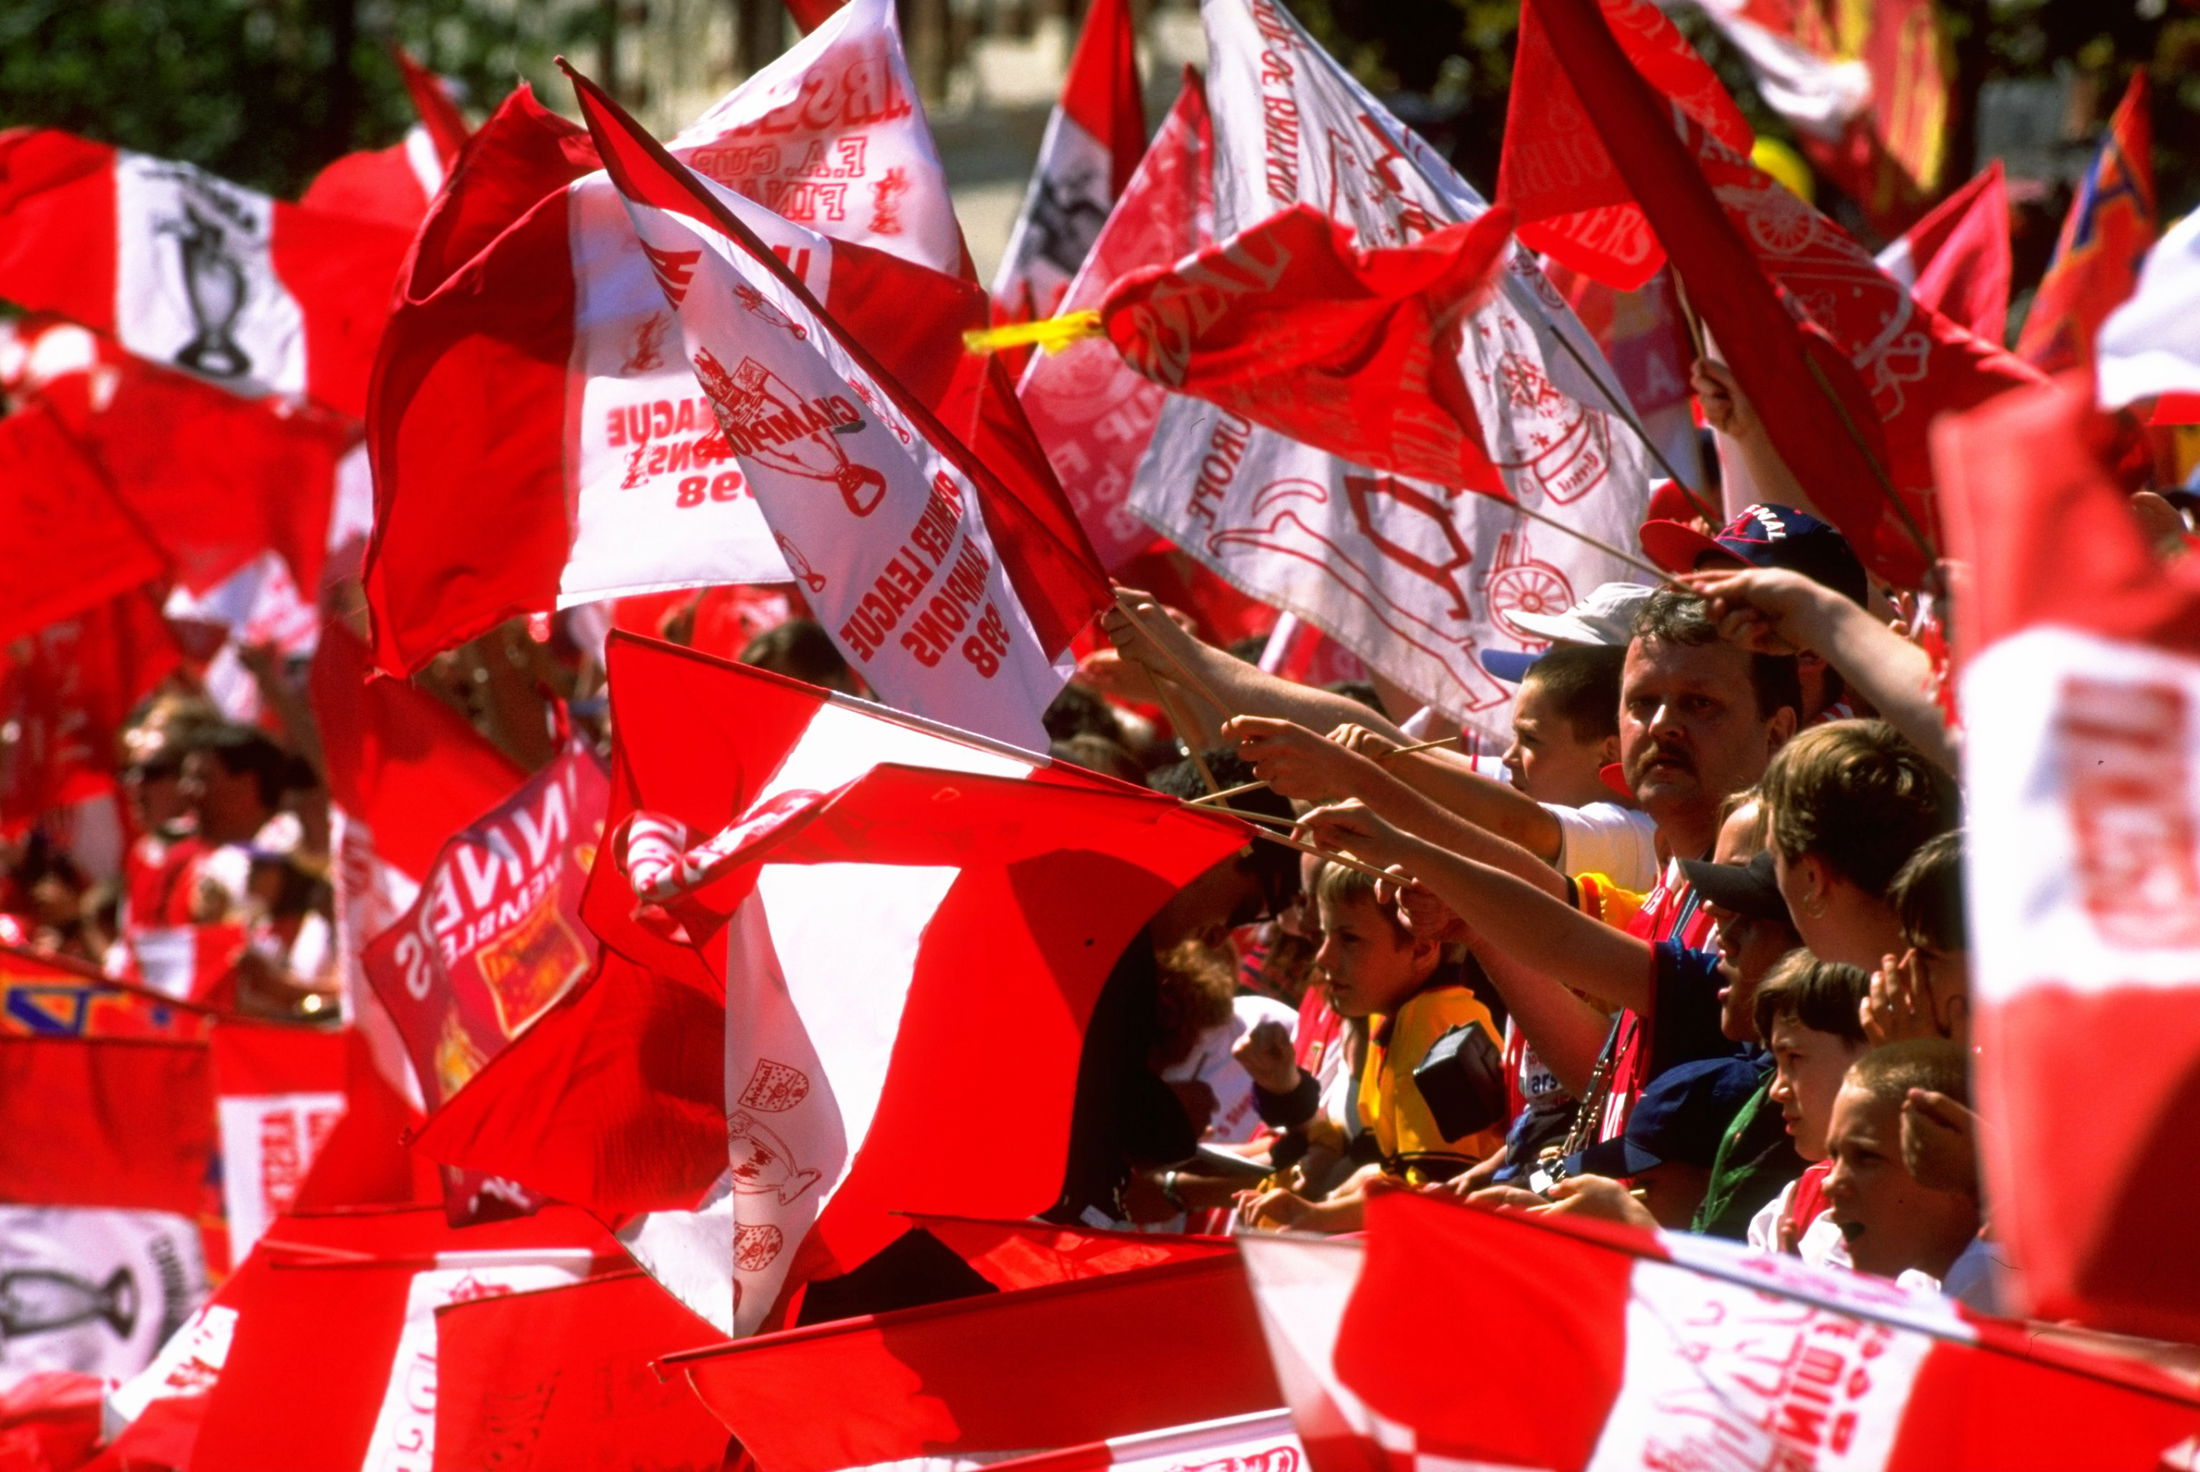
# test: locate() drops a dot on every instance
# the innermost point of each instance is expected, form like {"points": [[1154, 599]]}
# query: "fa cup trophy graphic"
{"points": [[41, 1300], [767, 420], [214, 285]]}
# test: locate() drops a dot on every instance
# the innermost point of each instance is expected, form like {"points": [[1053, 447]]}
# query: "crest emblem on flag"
{"points": [[762, 416]]}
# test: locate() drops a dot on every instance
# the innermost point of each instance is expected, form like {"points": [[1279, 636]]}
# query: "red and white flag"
{"points": [[1261, 1442], [44, 995], [279, 1095], [2111, 224], [1356, 352], [217, 481], [405, 772], [2147, 348], [2080, 679], [569, 1373], [494, 939], [1092, 413], [354, 1298], [1012, 1255], [1093, 141], [78, 545], [538, 438], [395, 185], [971, 865], [193, 272], [107, 1148], [1412, 577], [1956, 260], [1844, 368], [1036, 1370], [1606, 1347], [956, 603]]}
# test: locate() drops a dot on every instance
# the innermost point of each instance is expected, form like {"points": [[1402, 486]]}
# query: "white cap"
{"points": [[1606, 616]]}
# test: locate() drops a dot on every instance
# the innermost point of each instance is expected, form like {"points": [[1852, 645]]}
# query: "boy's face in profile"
{"points": [[1807, 1067], [1367, 961], [1547, 760], [1890, 1222]]}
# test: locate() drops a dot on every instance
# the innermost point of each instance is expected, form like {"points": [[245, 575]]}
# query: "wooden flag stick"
{"points": [[1331, 855], [1229, 792], [1187, 731], [1184, 672]]}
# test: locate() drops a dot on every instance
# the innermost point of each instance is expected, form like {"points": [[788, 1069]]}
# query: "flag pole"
{"points": [[1331, 855], [1626, 410], [1229, 792], [1658, 575]]}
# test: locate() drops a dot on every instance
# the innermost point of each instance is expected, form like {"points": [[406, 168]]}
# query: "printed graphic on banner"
{"points": [[1417, 579], [93, 1291], [195, 283], [269, 1142], [494, 939]]}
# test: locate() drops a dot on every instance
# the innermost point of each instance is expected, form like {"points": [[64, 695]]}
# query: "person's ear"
{"points": [[1813, 880], [1780, 728], [1608, 750]]}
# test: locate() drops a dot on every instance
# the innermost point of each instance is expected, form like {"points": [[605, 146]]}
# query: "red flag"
{"points": [[1261, 1442], [52, 996], [215, 480], [1555, 171], [88, 547], [1012, 1255], [1093, 141], [495, 939], [50, 1421], [1092, 413], [70, 687], [194, 272], [2105, 236], [1955, 261], [537, 436], [1686, 1351], [353, 1298], [1351, 351], [565, 1378], [1042, 1368], [937, 613], [394, 185], [1734, 235], [2080, 677]]}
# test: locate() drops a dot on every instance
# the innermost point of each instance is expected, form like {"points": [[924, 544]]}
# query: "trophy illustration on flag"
{"points": [[214, 286], [41, 1300], [754, 407]]}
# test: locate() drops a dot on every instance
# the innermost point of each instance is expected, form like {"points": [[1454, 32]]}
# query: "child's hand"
{"points": [[1266, 1054], [1939, 1142], [1271, 1211], [1351, 827], [1295, 762], [1725, 407]]}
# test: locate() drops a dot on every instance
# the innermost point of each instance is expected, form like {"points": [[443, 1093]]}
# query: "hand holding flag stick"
{"points": [[1229, 792]]}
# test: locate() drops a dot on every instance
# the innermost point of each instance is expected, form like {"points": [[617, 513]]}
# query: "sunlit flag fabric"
{"points": [[52, 996], [993, 890], [354, 1297], [2147, 348], [1093, 141], [956, 602], [279, 1095], [537, 438], [1092, 413], [1843, 368], [2079, 681], [107, 1147], [1866, 90], [2110, 225], [193, 272], [1413, 578], [396, 184], [494, 939], [1687, 1351], [1040, 1369], [85, 546], [1357, 352], [1956, 260]]}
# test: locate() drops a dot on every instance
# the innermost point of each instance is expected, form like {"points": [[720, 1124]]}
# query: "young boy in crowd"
{"points": [[1373, 967], [1891, 1223], [1806, 1014], [1926, 991]]}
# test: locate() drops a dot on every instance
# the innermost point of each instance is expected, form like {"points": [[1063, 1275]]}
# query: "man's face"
{"points": [[1748, 945], [1689, 732], [1364, 963], [1890, 1222], [1547, 760], [1807, 1068]]}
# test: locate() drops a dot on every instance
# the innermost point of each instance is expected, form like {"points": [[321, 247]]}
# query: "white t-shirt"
{"points": [[1237, 1118], [1605, 838], [1973, 1279], [1822, 1246]]}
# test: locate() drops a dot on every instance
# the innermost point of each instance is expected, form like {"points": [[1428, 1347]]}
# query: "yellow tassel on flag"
{"points": [[1051, 333]]}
